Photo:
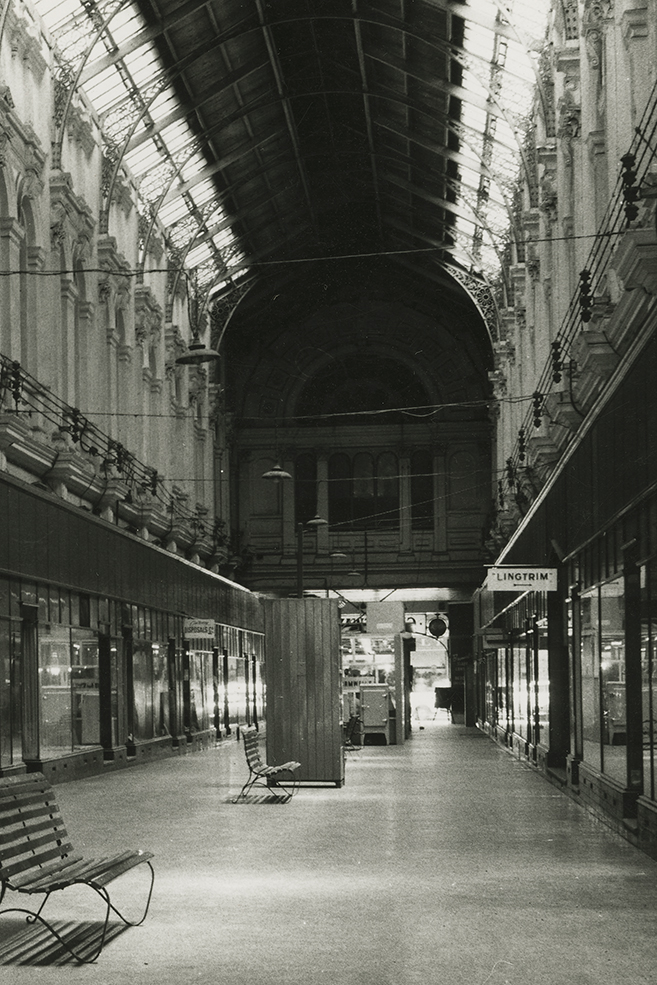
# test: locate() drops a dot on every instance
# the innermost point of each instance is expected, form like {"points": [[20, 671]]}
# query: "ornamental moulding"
{"points": [[25, 41], [80, 130], [148, 315], [71, 219]]}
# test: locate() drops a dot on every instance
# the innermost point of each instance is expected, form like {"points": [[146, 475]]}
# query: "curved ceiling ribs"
{"points": [[300, 129]]}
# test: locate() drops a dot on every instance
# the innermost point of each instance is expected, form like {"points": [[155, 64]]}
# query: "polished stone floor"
{"points": [[443, 860]]}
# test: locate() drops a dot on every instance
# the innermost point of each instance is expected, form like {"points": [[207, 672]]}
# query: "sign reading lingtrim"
{"points": [[521, 579]]}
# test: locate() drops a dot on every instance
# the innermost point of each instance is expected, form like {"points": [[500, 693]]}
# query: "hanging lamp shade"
{"points": [[317, 521], [197, 353], [278, 472]]}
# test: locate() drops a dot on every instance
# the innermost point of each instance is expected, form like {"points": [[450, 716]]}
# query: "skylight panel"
{"points": [[105, 89], [199, 255], [204, 193], [501, 68], [175, 210], [143, 159], [132, 97]]}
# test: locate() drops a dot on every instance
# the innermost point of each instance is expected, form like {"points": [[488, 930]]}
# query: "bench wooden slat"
{"points": [[45, 813], [24, 875], [25, 801], [36, 846], [96, 872]]}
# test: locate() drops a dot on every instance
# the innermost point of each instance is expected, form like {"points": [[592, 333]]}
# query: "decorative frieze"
{"points": [[634, 23], [25, 40], [71, 220], [80, 129], [594, 17]]}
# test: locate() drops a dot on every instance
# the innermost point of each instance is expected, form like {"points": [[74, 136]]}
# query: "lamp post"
{"points": [[317, 521]]}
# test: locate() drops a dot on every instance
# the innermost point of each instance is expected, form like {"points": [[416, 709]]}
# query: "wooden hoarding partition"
{"points": [[303, 687]]}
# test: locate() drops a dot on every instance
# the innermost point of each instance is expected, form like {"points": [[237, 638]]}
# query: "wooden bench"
{"points": [[36, 856], [283, 777]]}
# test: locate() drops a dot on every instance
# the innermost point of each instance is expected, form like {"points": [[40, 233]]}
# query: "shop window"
{"points": [[504, 681], [201, 690], [143, 721], [649, 675], [603, 679], [10, 696], [590, 675], [612, 679], [520, 687], [150, 689], [543, 690], [69, 695]]}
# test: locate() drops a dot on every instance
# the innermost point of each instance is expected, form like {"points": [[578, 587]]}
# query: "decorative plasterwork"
{"points": [[505, 353], [20, 149], [72, 222], [122, 194], [198, 377], [482, 297], [634, 23], [547, 158], [594, 17], [499, 383], [114, 282], [570, 124], [148, 316], [25, 40], [80, 130]]}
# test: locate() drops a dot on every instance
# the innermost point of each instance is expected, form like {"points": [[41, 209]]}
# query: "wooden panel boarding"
{"points": [[37, 857], [303, 687]]}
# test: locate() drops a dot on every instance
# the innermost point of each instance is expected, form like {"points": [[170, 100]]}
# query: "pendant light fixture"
{"points": [[197, 352], [277, 473]]}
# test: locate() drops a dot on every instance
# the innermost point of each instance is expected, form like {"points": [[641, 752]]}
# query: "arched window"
{"points": [[463, 481], [422, 499], [339, 489], [305, 487], [387, 490], [363, 489]]}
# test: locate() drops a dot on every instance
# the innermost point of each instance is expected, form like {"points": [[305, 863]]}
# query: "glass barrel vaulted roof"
{"points": [[232, 116]]}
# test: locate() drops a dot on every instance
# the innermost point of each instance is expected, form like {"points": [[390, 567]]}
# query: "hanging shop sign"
{"points": [[198, 629], [505, 578]]}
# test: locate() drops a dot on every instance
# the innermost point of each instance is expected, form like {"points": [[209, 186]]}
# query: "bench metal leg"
{"points": [[289, 785], [33, 916]]}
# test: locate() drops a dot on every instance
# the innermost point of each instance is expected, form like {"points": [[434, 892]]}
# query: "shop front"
{"points": [[99, 666]]}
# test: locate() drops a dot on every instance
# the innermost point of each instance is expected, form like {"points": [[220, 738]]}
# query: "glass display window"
{"points": [[590, 678], [612, 679], [649, 675], [143, 721], [10, 692], [520, 684], [603, 678], [542, 685], [69, 694], [56, 735], [201, 689]]}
